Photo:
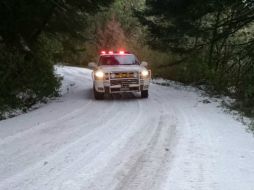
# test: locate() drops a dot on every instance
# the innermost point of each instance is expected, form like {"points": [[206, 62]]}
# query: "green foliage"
{"points": [[34, 35], [114, 28], [212, 43], [22, 21], [27, 79]]}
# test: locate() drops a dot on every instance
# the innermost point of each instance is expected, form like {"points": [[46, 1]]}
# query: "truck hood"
{"points": [[121, 68]]}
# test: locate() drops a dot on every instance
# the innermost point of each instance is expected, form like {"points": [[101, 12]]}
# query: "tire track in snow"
{"points": [[59, 155], [88, 170], [37, 144], [149, 166], [44, 125]]}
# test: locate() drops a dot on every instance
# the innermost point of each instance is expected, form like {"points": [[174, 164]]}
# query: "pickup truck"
{"points": [[118, 72]]}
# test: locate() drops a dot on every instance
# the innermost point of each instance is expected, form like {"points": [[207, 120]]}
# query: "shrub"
{"points": [[26, 77]]}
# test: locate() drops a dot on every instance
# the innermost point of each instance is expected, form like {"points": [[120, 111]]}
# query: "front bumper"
{"points": [[121, 85]]}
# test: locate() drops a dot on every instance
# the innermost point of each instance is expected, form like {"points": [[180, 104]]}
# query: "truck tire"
{"points": [[98, 95], [144, 94]]}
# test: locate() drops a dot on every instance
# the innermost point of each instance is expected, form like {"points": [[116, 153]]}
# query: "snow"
{"points": [[172, 140]]}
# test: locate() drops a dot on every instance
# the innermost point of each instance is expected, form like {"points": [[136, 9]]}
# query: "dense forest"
{"points": [[207, 43]]}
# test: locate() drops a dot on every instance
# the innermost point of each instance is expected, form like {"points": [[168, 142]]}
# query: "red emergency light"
{"points": [[121, 52]]}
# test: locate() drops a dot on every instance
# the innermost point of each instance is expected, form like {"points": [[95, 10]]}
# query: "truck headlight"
{"points": [[99, 74], [144, 73]]}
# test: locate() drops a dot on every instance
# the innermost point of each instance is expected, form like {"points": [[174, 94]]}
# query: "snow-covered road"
{"points": [[170, 141]]}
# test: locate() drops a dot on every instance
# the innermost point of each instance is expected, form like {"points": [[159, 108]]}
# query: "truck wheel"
{"points": [[98, 95], [144, 94]]}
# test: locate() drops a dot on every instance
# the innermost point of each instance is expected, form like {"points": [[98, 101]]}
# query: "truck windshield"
{"points": [[118, 60]]}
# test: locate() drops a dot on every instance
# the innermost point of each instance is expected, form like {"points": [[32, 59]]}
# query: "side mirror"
{"points": [[92, 65], [144, 64]]}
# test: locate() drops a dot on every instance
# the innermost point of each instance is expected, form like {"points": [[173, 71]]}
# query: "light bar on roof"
{"points": [[121, 52]]}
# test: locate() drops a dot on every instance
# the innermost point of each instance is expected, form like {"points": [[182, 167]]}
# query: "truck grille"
{"points": [[124, 75], [123, 82]]}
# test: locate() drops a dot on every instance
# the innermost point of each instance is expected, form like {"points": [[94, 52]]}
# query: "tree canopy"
{"points": [[23, 21], [34, 35], [212, 41]]}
